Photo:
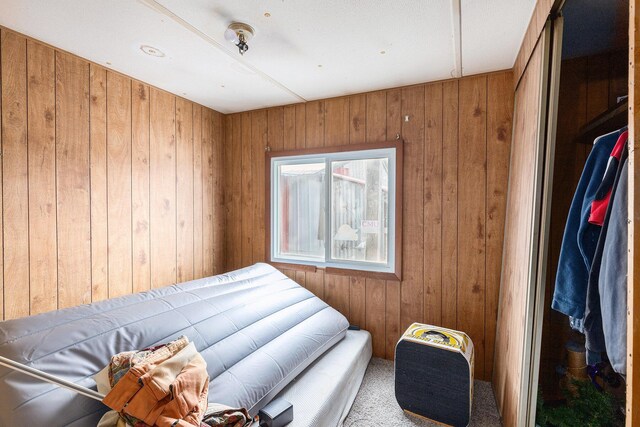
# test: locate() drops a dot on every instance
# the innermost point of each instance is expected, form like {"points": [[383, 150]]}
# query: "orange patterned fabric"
{"points": [[167, 386]]}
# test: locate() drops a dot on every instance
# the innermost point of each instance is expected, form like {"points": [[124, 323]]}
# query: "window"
{"points": [[335, 210]]}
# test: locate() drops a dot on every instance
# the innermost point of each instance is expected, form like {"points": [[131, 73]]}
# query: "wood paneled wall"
{"points": [[109, 186], [457, 137], [588, 87]]}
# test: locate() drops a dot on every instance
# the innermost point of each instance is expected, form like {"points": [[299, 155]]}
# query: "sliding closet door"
{"points": [[521, 241]]}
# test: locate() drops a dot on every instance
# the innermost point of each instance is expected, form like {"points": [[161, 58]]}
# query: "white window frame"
{"points": [[275, 160]]}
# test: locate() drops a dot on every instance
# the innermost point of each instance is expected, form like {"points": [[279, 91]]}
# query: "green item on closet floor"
{"points": [[587, 408]]}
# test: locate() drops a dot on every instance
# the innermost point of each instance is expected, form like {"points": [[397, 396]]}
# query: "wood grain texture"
{"points": [[15, 190], [411, 288], [218, 194], [140, 191], [450, 118], [261, 138], [43, 262], [247, 191], [198, 254], [207, 192], [119, 184], [499, 126], [72, 179], [184, 190], [472, 151], [99, 202], [433, 172], [78, 143], [519, 256], [163, 189], [433, 205]]}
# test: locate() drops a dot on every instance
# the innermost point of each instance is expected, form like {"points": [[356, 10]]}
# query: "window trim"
{"points": [[397, 261]]}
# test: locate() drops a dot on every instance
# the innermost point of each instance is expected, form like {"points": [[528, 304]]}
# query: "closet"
{"points": [[572, 86], [591, 101]]}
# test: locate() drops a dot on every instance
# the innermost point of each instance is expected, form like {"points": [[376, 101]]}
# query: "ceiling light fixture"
{"points": [[153, 51], [239, 34]]}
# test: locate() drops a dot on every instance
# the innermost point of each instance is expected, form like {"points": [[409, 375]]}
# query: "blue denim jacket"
{"points": [[581, 237]]}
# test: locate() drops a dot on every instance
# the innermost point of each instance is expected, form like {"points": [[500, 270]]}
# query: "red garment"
{"points": [[603, 194]]}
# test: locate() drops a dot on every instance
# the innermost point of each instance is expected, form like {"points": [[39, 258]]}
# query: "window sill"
{"points": [[339, 271]]}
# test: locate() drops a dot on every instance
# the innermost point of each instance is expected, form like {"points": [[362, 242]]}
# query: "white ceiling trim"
{"points": [[456, 20], [154, 5]]}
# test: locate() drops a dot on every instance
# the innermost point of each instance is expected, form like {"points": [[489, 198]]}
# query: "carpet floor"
{"points": [[376, 405]]}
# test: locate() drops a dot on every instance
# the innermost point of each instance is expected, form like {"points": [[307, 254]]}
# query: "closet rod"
{"points": [[612, 119]]}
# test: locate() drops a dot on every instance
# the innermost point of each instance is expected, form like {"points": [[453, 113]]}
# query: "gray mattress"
{"points": [[256, 328], [323, 395]]}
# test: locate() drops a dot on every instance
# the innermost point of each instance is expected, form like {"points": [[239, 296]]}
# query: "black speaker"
{"points": [[434, 374]]}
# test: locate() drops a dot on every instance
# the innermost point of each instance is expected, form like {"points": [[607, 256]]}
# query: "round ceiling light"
{"points": [[239, 34], [152, 51]]}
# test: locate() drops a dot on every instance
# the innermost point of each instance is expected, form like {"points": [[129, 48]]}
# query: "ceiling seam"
{"points": [[456, 23], [153, 4]]}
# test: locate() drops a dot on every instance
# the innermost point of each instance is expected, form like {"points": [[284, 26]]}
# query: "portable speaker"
{"points": [[434, 374]]}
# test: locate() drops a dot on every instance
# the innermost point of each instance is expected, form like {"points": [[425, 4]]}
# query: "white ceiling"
{"points": [[305, 49]]}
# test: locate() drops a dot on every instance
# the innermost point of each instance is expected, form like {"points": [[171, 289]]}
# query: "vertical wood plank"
{"points": [[433, 205], [314, 125], [499, 125], [376, 130], [43, 270], [358, 119], [301, 125], [218, 196], [119, 184], [247, 192], [392, 321], [259, 134], [72, 181], [315, 283], [15, 186], [411, 290], [207, 192], [184, 191], [275, 129], [229, 220], [336, 293], [375, 315], [336, 128], [449, 204], [289, 127], [198, 254], [392, 318], [472, 212], [98, 170], [140, 197], [163, 188], [236, 189]]}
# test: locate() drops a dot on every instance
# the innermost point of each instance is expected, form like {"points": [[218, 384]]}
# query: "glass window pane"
{"points": [[360, 210], [300, 213]]}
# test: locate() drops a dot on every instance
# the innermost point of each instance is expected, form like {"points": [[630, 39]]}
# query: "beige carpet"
{"points": [[376, 405]]}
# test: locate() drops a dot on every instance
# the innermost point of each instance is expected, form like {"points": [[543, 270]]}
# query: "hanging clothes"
{"points": [[603, 194], [580, 237], [593, 328], [613, 278]]}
